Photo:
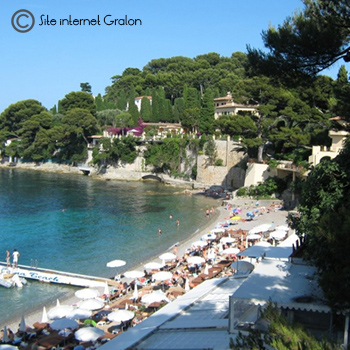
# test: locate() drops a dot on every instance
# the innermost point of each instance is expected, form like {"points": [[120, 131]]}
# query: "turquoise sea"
{"points": [[77, 224]]}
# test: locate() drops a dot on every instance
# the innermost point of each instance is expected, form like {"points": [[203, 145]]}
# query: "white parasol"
{"points": [[153, 266], [8, 347], [252, 237], [120, 316], [91, 304], [227, 240], [154, 297], [162, 276], [167, 256], [209, 236], [282, 228], [278, 235], [44, 318], [63, 323], [59, 312], [87, 293], [79, 314], [199, 244], [230, 251], [22, 325], [260, 228], [5, 337], [195, 260], [134, 274], [87, 334]]}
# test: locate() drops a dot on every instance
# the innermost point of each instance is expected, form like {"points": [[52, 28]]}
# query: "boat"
{"points": [[9, 279]]}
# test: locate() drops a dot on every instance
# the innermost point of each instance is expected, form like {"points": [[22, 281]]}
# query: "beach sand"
{"points": [[220, 214]]}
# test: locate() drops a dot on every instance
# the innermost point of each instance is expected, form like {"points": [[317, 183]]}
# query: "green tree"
{"points": [[86, 87], [78, 99], [324, 220], [146, 109], [108, 117], [13, 117], [132, 109], [309, 41], [207, 113]]}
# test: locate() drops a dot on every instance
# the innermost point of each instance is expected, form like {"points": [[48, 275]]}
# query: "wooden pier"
{"points": [[60, 277]]}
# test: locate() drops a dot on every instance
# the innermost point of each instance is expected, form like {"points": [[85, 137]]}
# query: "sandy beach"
{"points": [[278, 217]]}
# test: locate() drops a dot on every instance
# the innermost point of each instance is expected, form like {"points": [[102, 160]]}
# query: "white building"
{"points": [[226, 106]]}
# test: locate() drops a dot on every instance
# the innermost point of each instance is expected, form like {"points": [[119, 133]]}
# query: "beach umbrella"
{"points": [[87, 293], [167, 256], [135, 294], [153, 266], [22, 325], [199, 244], [162, 276], [59, 312], [278, 235], [90, 322], [230, 251], [195, 260], [120, 316], [116, 263], [87, 334], [187, 285], [154, 297], [134, 274], [91, 304], [63, 323], [227, 240], [8, 347], [78, 314], [44, 318], [253, 237], [106, 289], [282, 228], [260, 228], [5, 338], [209, 236]]}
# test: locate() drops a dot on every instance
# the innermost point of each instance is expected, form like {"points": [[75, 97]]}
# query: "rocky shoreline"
{"points": [[109, 175]]}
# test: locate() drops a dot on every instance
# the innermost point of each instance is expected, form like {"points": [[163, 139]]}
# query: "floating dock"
{"points": [[60, 277]]}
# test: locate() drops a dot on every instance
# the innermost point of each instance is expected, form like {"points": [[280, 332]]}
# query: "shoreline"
{"points": [[220, 215], [69, 298]]}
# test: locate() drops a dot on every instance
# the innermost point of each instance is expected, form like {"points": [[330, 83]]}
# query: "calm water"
{"points": [[76, 224]]}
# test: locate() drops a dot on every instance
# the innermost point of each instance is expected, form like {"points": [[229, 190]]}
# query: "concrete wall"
{"points": [[258, 173]]}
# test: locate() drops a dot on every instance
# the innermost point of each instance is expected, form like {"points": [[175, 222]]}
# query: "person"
{"points": [[178, 222], [207, 213], [15, 256], [8, 256], [175, 250], [170, 217], [159, 231]]}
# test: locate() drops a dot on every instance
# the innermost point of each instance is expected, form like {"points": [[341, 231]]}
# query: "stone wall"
{"points": [[228, 175]]}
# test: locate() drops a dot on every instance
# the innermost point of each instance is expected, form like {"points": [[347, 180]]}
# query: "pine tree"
{"points": [[132, 106], [207, 113], [146, 109]]}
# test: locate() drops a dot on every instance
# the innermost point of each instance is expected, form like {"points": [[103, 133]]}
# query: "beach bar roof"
{"points": [[290, 286]]}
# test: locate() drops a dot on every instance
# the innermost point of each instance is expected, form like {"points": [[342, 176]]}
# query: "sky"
{"points": [[49, 61]]}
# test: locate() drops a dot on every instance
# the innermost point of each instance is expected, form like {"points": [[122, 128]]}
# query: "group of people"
{"points": [[15, 256]]}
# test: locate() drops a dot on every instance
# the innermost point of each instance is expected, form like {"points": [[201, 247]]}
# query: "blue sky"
{"points": [[48, 62]]}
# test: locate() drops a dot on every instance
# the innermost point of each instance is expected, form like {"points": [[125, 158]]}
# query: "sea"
{"points": [[75, 223]]}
